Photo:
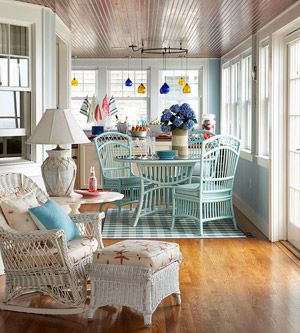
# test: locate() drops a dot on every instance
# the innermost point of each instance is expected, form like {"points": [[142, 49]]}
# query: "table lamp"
{"points": [[58, 126]]}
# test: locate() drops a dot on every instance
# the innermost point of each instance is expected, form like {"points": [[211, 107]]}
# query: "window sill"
{"points": [[246, 155], [263, 161], [21, 166]]}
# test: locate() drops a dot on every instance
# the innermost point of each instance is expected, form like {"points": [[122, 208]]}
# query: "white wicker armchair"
{"points": [[41, 261]]}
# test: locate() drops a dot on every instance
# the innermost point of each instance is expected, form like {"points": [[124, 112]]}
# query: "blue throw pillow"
{"points": [[51, 216]]}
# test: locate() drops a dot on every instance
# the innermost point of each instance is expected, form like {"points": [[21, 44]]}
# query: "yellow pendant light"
{"points": [[181, 81], [186, 89], [74, 82], [141, 88]]}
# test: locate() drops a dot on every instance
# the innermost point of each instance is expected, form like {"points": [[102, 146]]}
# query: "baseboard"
{"points": [[250, 213]]}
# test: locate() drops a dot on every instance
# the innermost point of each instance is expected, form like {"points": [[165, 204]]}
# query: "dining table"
{"points": [[159, 177]]}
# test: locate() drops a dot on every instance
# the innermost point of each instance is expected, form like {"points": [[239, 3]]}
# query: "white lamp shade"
{"points": [[57, 126]]}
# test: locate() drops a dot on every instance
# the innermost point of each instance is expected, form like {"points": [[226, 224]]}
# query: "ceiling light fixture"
{"points": [[181, 81], [74, 82], [128, 82], [164, 51], [141, 88], [186, 89], [165, 88]]}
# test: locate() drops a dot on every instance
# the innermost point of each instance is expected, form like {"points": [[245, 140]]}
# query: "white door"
{"points": [[293, 144]]}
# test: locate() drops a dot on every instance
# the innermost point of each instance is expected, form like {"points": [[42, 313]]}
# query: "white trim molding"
{"points": [[246, 155], [251, 214], [263, 161]]}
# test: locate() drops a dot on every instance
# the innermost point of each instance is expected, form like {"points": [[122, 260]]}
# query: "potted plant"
{"points": [[179, 119]]}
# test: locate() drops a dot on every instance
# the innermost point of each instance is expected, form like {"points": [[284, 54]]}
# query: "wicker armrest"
{"points": [[89, 225], [34, 250], [36, 235]]}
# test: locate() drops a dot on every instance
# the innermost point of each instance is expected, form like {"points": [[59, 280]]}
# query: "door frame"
{"points": [[278, 143], [292, 37]]}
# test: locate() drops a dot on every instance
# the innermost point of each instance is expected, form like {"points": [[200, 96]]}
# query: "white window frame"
{"points": [[226, 99], [81, 98], [24, 131], [186, 98], [231, 115], [246, 102], [263, 135], [146, 98]]}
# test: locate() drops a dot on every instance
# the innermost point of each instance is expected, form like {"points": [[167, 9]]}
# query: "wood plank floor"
{"points": [[227, 285]]}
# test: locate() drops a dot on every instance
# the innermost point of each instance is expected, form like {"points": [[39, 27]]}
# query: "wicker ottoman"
{"points": [[135, 273]]}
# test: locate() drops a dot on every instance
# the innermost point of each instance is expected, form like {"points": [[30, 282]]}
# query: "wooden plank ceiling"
{"points": [[208, 28]]}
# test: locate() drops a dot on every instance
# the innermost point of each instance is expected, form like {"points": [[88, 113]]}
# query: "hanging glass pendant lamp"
{"points": [[165, 88], [141, 88], [186, 89], [181, 81], [128, 82], [74, 82]]}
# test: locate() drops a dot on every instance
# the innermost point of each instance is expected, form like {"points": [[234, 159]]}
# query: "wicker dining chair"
{"points": [[211, 198], [195, 139], [117, 176], [42, 261]]}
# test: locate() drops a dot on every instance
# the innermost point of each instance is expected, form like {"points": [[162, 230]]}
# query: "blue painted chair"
{"points": [[195, 139], [211, 198], [117, 176]]}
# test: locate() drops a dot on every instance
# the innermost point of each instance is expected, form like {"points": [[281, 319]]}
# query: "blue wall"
{"points": [[252, 186], [214, 88]]}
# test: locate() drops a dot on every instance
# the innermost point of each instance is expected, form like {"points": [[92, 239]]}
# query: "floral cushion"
{"points": [[153, 255], [15, 210], [81, 247]]}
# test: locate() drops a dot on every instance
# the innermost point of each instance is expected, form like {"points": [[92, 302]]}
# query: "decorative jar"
{"points": [[180, 141]]}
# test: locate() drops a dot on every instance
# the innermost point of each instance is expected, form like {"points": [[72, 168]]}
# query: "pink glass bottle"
{"points": [[92, 180]]}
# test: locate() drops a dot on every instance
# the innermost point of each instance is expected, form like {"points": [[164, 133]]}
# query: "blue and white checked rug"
{"points": [[158, 226]]}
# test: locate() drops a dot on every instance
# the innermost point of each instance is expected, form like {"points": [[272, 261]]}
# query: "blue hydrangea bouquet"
{"points": [[178, 116]]}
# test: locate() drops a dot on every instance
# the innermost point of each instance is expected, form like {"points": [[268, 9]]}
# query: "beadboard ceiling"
{"points": [[208, 28]]}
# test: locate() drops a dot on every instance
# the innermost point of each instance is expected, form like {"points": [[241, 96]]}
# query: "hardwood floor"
{"points": [[227, 285]]}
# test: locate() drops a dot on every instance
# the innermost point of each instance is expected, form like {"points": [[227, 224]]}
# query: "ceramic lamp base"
{"points": [[59, 172], [180, 141]]}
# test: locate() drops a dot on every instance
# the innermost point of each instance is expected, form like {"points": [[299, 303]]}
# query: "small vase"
{"points": [[180, 141]]}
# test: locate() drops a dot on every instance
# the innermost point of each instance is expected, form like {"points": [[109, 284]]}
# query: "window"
{"points": [[246, 107], [15, 91], [235, 93], [236, 99], [264, 124], [226, 100], [176, 96], [86, 87], [131, 105]]}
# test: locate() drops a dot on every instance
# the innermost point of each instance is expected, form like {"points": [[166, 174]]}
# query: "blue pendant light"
{"points": [[165, 88], [128, 82]]}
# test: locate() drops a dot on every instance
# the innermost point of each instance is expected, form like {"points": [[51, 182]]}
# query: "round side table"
{"points": [[75, 200]]}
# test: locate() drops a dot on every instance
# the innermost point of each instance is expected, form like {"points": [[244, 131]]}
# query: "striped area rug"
{"points": [[157, 226]]}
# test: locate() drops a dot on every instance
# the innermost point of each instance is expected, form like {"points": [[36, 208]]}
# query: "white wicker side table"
{"points": [[135, 273]]}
